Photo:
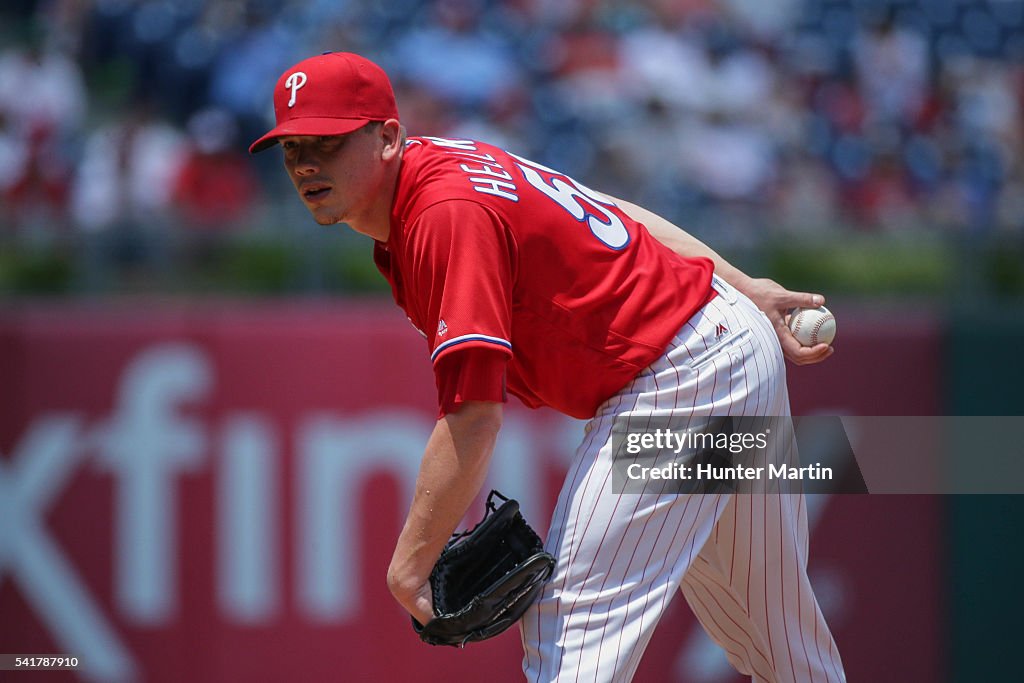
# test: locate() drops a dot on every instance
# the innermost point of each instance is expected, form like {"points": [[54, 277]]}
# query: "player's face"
{"points": [[337, 176]]}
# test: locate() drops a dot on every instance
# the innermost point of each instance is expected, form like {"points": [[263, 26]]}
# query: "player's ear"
{"points": [[391, 133]]}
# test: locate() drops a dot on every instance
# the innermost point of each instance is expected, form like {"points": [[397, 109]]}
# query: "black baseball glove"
{"points": [[486, 577]]}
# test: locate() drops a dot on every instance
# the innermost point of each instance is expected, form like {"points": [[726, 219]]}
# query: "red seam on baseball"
{"points": [[817, 327]]}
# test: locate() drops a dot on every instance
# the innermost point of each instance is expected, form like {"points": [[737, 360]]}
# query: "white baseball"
{"points": [[813, 326]]}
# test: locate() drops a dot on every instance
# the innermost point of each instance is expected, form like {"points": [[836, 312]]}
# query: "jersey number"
{"points": [[567, 193]]}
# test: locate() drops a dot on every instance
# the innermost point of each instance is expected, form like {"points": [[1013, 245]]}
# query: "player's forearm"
{"points": [[773, 299], [685, 244], [451, 473]]}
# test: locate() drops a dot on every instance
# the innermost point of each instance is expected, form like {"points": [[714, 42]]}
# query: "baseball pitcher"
{"points": [[524, 281]]}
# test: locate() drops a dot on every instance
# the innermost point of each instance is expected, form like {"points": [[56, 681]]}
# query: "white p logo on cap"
{"points": [[294, 81]]}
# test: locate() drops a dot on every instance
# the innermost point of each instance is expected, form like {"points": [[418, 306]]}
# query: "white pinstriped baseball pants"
{"points": [[740, 560]]}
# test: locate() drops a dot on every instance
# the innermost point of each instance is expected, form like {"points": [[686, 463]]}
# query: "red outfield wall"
{"points": [[213, 492]]}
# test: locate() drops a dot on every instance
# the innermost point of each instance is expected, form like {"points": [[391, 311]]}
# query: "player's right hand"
{"points": [[776, 301]]}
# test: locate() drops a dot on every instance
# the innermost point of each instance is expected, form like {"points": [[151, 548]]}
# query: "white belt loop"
{"points": [[724, 289]]}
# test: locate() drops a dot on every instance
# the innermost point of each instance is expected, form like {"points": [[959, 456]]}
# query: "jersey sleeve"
{"points": [[463, 267], [475, 374]]}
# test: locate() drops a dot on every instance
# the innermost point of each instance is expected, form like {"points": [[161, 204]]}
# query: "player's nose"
{"points": [[305, 169], [304, 160]]}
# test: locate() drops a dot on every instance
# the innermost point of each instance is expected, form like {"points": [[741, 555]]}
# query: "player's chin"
{"points": [[323, 217]]}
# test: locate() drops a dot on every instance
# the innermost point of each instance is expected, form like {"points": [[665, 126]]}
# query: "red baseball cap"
{"points": [[330, 94]]}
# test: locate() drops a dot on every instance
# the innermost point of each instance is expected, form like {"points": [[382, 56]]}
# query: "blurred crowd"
{"points": [[737, 118]]}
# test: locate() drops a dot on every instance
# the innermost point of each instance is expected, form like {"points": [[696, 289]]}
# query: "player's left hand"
{"points": [[417, 601], [776, 301]]}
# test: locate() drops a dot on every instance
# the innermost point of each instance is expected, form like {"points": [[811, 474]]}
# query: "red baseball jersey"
{"points": [[488, 250]]}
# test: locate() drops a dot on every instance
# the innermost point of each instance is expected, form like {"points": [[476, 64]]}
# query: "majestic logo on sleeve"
{"points": [[442, 328], [294, 82]]}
